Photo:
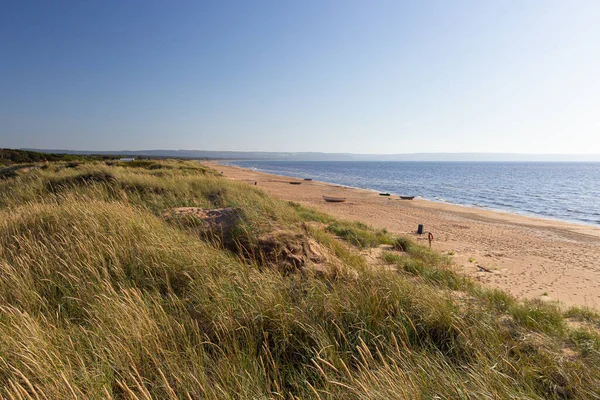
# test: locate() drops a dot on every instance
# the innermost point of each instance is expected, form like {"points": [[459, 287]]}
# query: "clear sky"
{"points": [[334, 76]]}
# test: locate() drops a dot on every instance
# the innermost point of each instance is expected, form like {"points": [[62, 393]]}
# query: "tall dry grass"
{"points": [[101, 298]]}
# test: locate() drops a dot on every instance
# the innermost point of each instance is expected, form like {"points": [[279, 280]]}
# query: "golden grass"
{"points": [[101, 298]]}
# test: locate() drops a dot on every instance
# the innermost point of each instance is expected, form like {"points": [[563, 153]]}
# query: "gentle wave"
{"points": [[563, 191]]}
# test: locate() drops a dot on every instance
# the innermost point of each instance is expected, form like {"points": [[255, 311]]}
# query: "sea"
{"points": [[560, 191]]}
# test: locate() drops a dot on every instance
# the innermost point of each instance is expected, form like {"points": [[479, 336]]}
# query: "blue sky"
{"points": [[333, 76]]}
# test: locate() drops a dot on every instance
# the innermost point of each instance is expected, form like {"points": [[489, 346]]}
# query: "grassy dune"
{"points": [[101, 297]]}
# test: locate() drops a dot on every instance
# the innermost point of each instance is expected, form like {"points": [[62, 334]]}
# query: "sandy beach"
{"points": [[528, 257]]}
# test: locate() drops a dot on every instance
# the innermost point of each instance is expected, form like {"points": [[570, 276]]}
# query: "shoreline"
{"points": [[474, 206], [530, 257]]}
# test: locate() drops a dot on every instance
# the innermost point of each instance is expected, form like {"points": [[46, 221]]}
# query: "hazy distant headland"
{"points": [[316, 156]]}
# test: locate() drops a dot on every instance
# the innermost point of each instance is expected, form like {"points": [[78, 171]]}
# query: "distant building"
{"points": [[127, 159]]}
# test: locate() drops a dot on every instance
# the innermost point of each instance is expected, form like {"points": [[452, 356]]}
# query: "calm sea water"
{"points": [[564, 191]]}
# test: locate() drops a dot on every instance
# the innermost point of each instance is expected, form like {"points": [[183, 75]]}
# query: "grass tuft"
{"points": [[359, 234], [540, 316]]}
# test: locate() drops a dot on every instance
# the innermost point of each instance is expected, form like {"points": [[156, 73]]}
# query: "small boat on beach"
{"points": [[384, 194], [308, 179], [334, 199], [407, 197], [295, 183]]}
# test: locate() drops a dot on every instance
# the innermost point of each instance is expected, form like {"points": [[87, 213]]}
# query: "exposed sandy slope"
{"points": [[527, 256]]}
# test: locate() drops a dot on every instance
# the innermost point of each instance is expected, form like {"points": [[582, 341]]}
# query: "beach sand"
{"points": [[528, 257]]}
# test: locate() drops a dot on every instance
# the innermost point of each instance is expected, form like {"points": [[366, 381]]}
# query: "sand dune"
{"points": [[528, 257]]}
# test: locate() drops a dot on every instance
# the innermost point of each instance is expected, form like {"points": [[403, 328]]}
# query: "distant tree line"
{"points": [[14, 156]]}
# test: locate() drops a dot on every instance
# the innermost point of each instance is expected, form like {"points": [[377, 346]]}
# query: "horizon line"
{"points": [[311, 152]]}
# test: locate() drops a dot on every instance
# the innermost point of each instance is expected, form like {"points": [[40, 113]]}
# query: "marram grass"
{"points": [[101, 298]]}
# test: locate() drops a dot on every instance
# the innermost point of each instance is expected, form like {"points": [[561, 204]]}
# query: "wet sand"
{"points": [[528, 257]]}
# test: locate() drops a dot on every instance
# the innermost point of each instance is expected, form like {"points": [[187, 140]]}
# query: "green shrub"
{"points": [[403, 244], [359, 234], [495, 298], [583, 314], [310, 214], [587, 342], [538, 315]]}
